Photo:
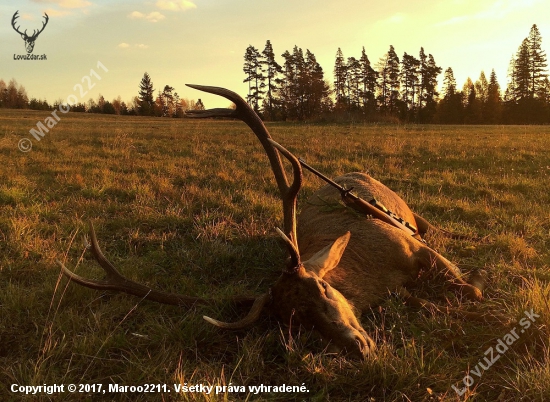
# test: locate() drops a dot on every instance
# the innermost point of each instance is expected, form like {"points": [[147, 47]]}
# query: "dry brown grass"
{"points": [[190, 206]]}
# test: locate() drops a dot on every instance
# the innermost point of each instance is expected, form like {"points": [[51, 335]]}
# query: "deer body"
{"points": [[379, 257]]}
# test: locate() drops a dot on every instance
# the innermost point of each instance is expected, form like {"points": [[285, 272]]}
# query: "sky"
{"points": [[204, 41]]}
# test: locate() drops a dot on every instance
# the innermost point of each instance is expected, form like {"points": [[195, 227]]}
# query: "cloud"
{"points": [[154, 16], [396, 18], [495, 10], [136, 14], [66, 3], [56, 13], [125, 45], [175, 5]]}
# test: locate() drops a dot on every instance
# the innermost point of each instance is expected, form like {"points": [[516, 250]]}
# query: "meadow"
{"points": [[190, 206]]}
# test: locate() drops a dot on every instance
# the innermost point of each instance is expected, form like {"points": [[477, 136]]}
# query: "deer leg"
{"points": [[421, 224], [452, 274]]}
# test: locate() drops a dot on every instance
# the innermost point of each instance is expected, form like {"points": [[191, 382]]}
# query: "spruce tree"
{"points": [[146, 96], [493, 107], [521, 72], [537, 62], [450, 107]]}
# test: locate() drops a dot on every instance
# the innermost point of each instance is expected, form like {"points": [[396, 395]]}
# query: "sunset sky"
{"points": [[203, 41]]}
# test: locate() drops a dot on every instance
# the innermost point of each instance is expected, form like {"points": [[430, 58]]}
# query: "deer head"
{"points": [[29, 40], [300, 296]]}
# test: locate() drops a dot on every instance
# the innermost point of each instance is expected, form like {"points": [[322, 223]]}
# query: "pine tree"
{"points": [[409, 80], [433, 70], [368, 83], [253, 70], [287, 91], [429, 71], [422, 70], [304, 94], [353, 82], [300, 83], [316, 92], [168, 105], [393, 75], [146, 100], [388, 83], [272, 70], [340, 74]]}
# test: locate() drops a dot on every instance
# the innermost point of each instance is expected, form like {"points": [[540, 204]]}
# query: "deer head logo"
{"points": [[29, 40]]}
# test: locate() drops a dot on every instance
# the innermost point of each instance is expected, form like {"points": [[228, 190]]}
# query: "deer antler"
{"points": [[245, 113], [292, 243], [15, 16], [116, 281], [34, 35]]}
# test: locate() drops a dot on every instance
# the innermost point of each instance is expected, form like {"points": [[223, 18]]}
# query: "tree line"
{"points": [[396, 89], [167, 103]]}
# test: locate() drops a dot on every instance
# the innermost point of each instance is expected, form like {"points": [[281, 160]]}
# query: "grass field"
{"points": [[189, 206]]}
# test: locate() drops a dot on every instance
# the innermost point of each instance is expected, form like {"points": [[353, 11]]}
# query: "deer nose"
{"points": [[364, 345]]}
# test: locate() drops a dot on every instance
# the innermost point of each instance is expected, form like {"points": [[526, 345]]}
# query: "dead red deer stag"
{"points": [[340, 263]]}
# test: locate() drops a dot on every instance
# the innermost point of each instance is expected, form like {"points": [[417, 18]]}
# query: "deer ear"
{"points": [[329, 257]]}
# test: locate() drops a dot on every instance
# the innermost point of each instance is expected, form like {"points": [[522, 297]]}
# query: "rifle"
{"points": [[372, 207]]}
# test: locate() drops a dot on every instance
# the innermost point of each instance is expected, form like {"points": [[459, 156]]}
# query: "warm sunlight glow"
{"points": [[184, 41]]}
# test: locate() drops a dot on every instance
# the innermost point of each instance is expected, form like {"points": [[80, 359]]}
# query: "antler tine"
{"points": [[245, 113], [43, 26], [253, 316], [15, 16], [294, 189], [116, 281], [35, 32]]}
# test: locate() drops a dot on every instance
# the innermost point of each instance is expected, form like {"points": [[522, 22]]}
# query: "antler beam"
{"points": [[245, 113]]}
